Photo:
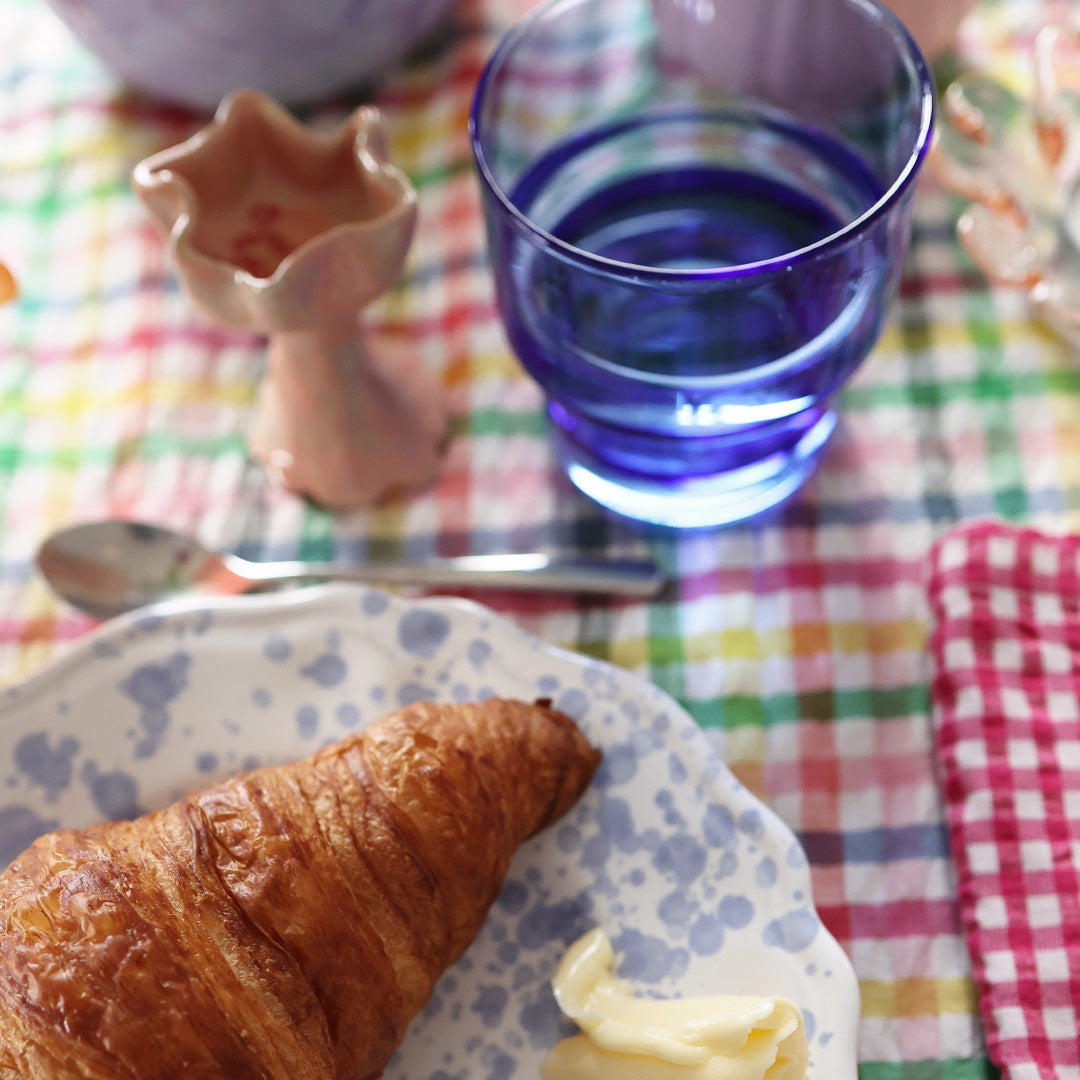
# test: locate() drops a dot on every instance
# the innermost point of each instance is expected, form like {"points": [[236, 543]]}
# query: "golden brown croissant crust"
{"points": [[287, 923]]}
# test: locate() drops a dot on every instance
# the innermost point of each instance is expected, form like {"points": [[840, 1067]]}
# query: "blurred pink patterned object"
{"points": [[932, 23], [1018, 160], [285, 231]]}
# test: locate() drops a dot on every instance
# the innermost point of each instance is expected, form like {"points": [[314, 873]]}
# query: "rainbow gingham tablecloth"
{"points": [[798, 642]]}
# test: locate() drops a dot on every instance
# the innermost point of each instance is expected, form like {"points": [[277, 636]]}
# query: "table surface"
{"points": [[798, 642]]}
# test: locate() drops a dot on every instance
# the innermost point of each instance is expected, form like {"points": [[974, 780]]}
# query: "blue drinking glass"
{"points": [[697, 213]]}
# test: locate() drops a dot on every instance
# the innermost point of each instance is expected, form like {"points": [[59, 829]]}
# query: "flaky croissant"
{"points": [[285, 924]]}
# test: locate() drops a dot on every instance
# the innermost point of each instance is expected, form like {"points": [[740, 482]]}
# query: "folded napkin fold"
{"points": [[1006, 696]]}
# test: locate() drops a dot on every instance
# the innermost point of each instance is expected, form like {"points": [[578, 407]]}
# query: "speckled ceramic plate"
{"points": [[702, 888]]}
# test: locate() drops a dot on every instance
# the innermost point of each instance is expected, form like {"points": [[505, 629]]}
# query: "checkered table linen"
{"points": [[1006, 691], [798, 641]]}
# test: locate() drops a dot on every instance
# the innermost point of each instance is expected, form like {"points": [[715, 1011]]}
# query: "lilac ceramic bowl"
{"points": [[195, 51]]}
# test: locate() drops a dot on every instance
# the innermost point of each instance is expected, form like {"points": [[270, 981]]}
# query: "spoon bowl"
{"points": [[106, 568]]}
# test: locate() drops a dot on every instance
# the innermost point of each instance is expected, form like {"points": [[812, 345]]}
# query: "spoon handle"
{"points": [[530, 572]]}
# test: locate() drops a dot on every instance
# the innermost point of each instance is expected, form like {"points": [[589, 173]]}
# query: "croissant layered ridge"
{"points": [[287, 923]]}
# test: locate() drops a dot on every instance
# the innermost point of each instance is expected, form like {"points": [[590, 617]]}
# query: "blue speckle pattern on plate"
{"points": [[702, 888]]}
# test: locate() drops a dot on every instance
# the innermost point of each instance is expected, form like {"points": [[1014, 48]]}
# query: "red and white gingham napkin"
{"points": [[1006, 695]]}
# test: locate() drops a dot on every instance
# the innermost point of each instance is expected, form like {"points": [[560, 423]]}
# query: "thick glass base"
{"points": [[700, 501]]}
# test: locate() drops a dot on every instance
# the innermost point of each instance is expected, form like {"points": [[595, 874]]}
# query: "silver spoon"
{"points": [[108, 567]]}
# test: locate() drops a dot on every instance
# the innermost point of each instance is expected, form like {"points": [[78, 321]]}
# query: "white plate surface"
{"points": [[702, 888]]}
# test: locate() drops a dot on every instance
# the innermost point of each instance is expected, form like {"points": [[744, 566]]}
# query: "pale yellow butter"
{"points": [[626, 1037]]}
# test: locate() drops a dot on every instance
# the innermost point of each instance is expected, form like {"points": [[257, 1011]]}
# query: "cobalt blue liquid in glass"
{"points": [[691, 333]]}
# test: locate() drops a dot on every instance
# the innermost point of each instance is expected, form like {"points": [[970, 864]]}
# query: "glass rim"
{"points": [[615, 267]]}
